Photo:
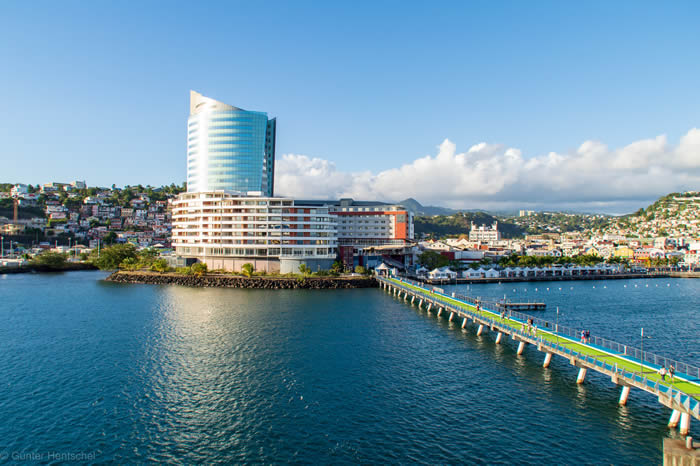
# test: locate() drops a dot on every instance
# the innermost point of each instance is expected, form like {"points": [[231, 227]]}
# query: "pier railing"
{"points": [[689, 370]]}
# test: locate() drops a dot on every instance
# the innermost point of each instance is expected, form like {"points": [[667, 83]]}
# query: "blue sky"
{"points": [[99, 91]]}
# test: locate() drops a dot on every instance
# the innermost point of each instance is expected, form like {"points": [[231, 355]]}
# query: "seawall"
{"points": [[229, 281]]}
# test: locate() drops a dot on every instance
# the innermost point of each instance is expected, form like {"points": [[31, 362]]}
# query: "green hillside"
{"points": [[460, 223]]}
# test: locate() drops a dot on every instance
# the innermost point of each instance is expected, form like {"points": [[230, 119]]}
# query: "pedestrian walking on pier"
{"points": [[583, 336], [662, 373], [671, 371], [588, 336]]}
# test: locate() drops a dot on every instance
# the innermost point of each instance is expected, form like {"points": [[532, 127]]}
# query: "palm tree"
{"points": [[247, 269]]}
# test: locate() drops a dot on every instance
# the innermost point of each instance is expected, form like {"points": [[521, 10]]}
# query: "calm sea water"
{"points": [[136, 373]]}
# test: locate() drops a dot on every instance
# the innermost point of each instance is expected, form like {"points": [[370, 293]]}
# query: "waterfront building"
{"points": [[229, 148], [484, 233], [225, 230], [370, 233]]}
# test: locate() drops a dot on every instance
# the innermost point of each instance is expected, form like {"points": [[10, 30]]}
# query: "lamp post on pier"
{"points": [[641, 359]]}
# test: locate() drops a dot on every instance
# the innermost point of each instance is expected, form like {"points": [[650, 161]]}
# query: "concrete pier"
{"points": [[675, 418], [685, 424], [624, 394], [681, 396], [547, 360], [581, 375], [677, 452]]}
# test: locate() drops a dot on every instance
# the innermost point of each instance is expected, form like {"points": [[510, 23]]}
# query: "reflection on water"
{"points": [[225, 375]]}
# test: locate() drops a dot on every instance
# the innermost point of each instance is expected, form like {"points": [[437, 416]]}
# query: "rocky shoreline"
{"points": [[232, 281]]}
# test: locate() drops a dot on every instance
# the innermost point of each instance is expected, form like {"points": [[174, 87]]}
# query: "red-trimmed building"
{"points": [[370, 233]]}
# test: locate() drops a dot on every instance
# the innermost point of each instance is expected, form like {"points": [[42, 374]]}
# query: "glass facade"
{"points": [[229, 148]]}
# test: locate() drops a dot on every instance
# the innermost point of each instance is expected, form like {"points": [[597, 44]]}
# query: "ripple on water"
{"points": [[166, 374]]}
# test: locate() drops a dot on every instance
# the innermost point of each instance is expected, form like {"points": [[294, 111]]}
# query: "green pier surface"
{"points": [[631, 365]]}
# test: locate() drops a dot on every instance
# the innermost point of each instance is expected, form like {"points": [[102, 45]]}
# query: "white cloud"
{"points": [[492, 176]]}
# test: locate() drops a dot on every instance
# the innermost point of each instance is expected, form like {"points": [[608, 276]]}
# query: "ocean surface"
{"points": [[101, 372]]}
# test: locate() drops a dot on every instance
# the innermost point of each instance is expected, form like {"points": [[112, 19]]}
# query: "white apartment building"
{"points": [[225, 230], [484, 233]]}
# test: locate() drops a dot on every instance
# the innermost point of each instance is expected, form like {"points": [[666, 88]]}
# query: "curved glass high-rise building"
{"points": [[229, 148]]}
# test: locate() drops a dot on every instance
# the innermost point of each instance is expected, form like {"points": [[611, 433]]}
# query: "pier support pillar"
{"points": [[624, 394], [685, 423], [430, 305], [420, 303], [581, 375], [521, 347], [498, 338], [405, 296], [452, 314], [675, 417], [547, 359], [440, 312], [464, 322], [481, 330]]}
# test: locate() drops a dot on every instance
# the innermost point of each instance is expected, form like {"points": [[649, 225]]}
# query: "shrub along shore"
{"points": [[218, 280]]}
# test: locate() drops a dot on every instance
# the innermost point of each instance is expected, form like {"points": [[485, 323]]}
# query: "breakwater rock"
{"points": [[232, 281]]}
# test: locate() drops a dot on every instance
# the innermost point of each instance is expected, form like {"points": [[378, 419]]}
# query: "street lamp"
{"points": [[641, 359]]}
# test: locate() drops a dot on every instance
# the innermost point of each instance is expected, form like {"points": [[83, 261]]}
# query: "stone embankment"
{"points": [[232, 281]]}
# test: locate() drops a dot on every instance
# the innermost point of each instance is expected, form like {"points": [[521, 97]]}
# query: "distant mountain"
{"points": [[418, 209]]}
